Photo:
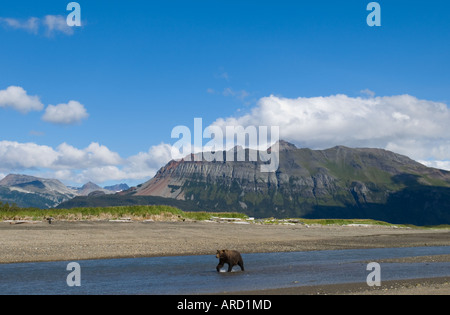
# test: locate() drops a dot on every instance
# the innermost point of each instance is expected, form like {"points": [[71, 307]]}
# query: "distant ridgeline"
{"points": [[29, 191], [335, 183]]}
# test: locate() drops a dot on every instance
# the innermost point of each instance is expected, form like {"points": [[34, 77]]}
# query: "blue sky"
{"points": [[137, 69]]}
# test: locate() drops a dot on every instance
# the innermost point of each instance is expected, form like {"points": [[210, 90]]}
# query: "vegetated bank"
{"points": [[165, 213], [138, 213]]}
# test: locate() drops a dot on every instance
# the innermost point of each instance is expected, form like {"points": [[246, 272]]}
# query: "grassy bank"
{"points": [[157, 213], [163, 213]]}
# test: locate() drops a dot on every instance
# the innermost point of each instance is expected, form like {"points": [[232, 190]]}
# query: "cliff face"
{"points": [[336, 182]]}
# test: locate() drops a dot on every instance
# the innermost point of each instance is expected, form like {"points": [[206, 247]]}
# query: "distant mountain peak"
{"points": [[117, 187], [31, 191], [286, 146], [16, 179], [90, 185]]}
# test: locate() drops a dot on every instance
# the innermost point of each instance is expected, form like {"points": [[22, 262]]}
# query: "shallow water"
{"points": [[197, 274]]}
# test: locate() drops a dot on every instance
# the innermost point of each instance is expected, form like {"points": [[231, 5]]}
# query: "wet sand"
{"points": [[71, 241]]}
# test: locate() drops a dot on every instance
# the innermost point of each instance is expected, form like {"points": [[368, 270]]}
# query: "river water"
{"points": [[197, 274]]}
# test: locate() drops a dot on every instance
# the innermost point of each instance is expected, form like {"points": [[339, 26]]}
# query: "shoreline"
{"points": [[82, 240]]}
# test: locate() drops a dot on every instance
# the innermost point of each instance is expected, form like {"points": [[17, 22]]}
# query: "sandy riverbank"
{"points": [[91, 240], [94, 240]]}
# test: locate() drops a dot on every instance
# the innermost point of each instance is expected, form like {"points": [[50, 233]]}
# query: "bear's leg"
{"points": [[219, 266], [241, 264], [230, 267]]}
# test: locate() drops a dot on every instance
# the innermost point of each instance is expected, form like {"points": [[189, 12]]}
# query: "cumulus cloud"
{"points": [[48, 25], [96, 162], [101, 174], [17, 98], [149, 162], [65, 114], [403, 123], [141, 166], [15, 155], [92, 156]]}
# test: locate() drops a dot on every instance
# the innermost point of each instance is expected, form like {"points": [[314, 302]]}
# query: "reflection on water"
{"points": [[197, 274]]}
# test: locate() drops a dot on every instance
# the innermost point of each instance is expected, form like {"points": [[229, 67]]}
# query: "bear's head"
{"points": [[220, 253]]}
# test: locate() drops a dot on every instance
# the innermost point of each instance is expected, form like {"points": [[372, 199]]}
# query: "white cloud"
{"points": [[93, 156], [102, 174], [95, 163], [17, 98], [31, 25], [146, 164], [20, 156], [56, 24], [48, 25], [405, 124], [65, 114]]}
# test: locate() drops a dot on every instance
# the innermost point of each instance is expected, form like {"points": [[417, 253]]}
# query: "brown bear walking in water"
{"points": [[230, 257]]}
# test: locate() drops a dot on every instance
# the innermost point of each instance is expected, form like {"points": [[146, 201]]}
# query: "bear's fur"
{"points": [[230, 257]]}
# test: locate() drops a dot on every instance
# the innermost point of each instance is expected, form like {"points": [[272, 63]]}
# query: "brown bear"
{"points": [[230, 257]]}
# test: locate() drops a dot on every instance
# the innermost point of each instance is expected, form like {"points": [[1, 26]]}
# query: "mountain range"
{"points": [[31, 191], [339, 182]]}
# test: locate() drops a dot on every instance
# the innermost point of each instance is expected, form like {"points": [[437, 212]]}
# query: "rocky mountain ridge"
{"points": [[336, 182]]}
